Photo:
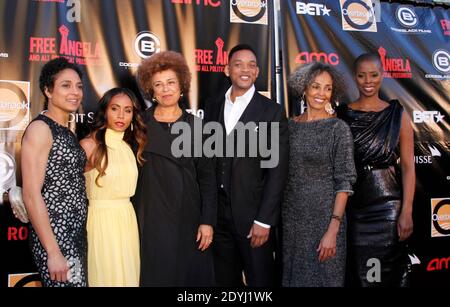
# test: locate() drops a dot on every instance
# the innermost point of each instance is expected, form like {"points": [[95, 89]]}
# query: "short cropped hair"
{"points": [[239, 48]]}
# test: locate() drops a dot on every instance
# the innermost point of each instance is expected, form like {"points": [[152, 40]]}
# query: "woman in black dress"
{"points": [[380, 212], [175, 200], [53, 181]]}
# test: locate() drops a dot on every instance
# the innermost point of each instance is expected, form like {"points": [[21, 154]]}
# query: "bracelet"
{"points": [[337, 217]]}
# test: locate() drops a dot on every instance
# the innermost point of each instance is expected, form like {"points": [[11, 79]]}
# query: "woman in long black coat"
{"points": [[176, 199]]}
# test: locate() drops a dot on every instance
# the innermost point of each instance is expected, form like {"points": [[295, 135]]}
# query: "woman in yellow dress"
{"points": [[111, 176]]}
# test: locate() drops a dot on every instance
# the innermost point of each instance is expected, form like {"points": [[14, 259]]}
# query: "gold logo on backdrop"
{"points": [[248, 11], [14, 105], [24, 280], [440, 217], [358, 15]]}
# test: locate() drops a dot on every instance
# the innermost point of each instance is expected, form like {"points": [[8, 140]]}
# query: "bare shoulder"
{"points": [[89, 145], [38, 132], [406, 121]]}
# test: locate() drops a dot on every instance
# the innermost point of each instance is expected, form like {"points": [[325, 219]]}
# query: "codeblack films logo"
{"points": [[440, 217], [249, 11], [145, 44], [14, 105], [409, 22], [441, 62], [358, 15]]}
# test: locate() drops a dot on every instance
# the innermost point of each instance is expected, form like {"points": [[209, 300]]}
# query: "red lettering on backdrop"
{"points": [[208, 60], [397, 68], [213, 3], [44, 48], [17, 233]]}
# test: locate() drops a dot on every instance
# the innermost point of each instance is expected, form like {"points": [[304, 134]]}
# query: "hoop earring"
{"points": [[329, 108], [131, 127], [154, 100], [302, 104], [181, 95]]}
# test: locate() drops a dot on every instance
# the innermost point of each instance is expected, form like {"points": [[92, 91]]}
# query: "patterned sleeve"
{"points": [[344, 173]]}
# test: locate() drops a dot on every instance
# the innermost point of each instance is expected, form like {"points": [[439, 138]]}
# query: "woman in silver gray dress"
{"points": [[321, 174]]}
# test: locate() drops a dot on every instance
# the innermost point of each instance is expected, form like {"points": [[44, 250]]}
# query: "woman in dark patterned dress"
{"points": [[380, 212], [321, 174], [53, 181]]}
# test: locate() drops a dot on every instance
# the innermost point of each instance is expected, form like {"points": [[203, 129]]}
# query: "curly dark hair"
{"points": [[160, 62], [49, 72], [304, 75], [136, 138]]}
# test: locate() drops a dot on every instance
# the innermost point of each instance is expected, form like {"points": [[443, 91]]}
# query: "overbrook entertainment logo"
{"points": [[14, 105], [440, 217], [248, 11], [360, 15], [250, 140]]}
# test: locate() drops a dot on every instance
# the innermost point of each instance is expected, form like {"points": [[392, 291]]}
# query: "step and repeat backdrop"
{"points": [[413, 42], [108, 39]]}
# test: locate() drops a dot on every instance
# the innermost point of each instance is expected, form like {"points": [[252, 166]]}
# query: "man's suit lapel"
{"points": [[252, 113]]}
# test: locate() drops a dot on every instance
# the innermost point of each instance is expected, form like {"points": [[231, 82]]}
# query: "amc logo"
{"points": [[213, 3], [440, 217], [308, 57], [24, 280], [438, 264]]}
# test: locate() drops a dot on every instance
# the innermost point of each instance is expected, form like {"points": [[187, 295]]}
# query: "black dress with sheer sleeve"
{"points": [[374, 209]]}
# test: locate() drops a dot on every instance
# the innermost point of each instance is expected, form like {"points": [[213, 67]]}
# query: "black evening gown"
{"points": [[373, 210], [173, 197]]}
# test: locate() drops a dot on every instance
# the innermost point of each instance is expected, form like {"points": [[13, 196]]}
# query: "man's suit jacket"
{"points": [[255, 193]]}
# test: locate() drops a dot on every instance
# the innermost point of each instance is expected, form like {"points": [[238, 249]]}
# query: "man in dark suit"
{"points": [[250, 193]]}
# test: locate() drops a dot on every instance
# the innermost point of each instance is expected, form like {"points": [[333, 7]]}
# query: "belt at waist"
{"points": [[103, 203], [372, 167]]}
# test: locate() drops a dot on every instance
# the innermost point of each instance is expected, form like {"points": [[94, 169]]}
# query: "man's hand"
{"points": [[258, 235]]}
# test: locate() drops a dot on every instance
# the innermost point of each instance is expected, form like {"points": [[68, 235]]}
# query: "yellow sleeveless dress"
{"points": [[113, 238]]}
